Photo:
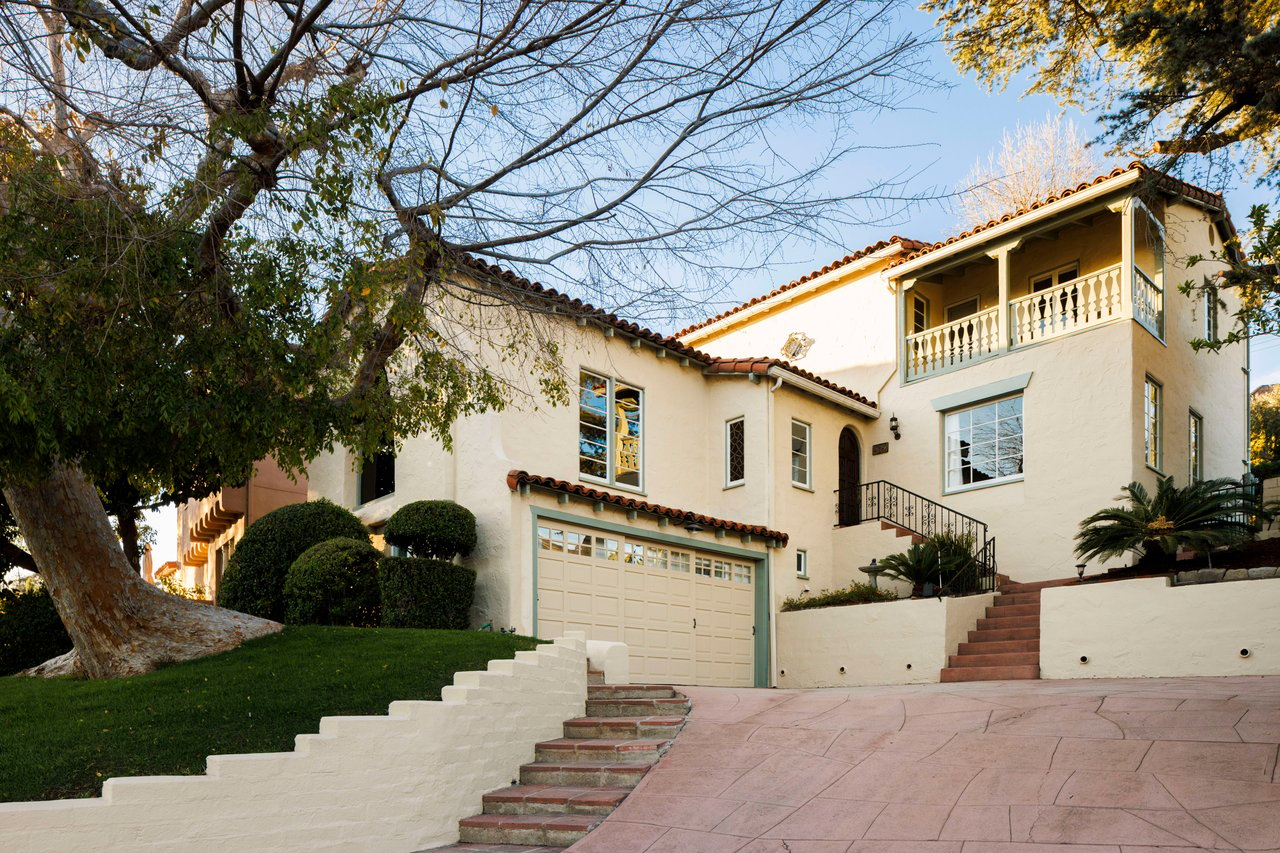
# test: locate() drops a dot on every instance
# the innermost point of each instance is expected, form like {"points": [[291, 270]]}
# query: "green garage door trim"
{"points": [[761, 562]]}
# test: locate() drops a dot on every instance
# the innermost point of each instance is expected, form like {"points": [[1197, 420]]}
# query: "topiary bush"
{"points": [[334, 583], [422, 593], [438, 529], [254, 579], [30, 630]]}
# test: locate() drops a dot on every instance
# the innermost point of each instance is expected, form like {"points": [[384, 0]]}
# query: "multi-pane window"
{"points": [[735, 452], [801, 435], [610, 424], [1153, 438], [984, 443], [1195, 447], [919, 314], [1211, 313]]}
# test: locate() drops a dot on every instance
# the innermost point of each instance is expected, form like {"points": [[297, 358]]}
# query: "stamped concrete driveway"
{"points": [[1090, 766]]}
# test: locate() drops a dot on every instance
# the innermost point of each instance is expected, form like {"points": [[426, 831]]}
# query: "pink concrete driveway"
{"points": [[1115, 766]]}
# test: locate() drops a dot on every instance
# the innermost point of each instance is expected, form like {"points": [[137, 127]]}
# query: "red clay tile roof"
{"points": [[761, 366], [906, 243], [516, 479], [1162, 180], [712, 364]]}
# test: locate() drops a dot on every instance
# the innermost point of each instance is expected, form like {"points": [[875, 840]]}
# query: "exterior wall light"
{"points": [[1080, 570], [694, 527], [893, 427]]}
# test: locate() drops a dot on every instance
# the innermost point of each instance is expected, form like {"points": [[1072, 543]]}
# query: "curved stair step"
{"points": [[552, 799], [549, 830]]}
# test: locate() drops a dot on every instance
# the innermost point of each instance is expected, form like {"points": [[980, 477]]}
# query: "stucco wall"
{"points": [[1147, 628], [399, 782], [895, 642]]}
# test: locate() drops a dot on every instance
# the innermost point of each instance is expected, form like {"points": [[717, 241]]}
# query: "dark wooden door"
{"points": [[847, 509]]}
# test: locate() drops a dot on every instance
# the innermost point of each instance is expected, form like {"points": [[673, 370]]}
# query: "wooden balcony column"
{"points": [[1000, 254]]}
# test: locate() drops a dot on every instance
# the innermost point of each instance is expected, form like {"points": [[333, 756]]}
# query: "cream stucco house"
{"points": [[1007, 381]]}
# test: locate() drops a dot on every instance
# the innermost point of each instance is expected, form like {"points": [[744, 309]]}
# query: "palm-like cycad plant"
{"points": [[1199, 517]]}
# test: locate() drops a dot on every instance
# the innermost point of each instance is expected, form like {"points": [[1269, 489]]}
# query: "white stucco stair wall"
{"points": [[390, 783]]}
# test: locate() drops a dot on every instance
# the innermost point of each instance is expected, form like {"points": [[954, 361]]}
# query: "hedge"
{"points": [[334, 583], [422, 593], [439, 529], [254, 579]]}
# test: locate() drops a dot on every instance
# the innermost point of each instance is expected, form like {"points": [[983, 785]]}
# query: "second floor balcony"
{"points": [[1097, 270]]}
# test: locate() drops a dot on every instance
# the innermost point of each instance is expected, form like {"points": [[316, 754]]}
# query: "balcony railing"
{"points": [[1076, 305], [1148, 303], [1084, 301], [968, 339]]}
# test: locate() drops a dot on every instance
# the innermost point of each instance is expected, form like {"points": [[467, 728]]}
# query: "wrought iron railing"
{"points": [[885, 501]]}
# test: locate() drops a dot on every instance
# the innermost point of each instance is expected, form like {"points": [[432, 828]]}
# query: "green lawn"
{"points": [[62, 737]]}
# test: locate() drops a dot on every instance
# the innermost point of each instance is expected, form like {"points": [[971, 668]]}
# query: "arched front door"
{"points": [[847, 509]]}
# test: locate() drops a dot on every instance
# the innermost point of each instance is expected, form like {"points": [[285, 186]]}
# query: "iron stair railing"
{"points": [[885, 501]]}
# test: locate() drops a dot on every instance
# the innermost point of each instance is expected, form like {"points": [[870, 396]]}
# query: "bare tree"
{"points": [[275, 193], [1033, 162]]}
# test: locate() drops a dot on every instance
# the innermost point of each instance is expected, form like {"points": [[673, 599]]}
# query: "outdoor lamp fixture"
{"points": [[893, 427], [694, 527], [1080, 570]]}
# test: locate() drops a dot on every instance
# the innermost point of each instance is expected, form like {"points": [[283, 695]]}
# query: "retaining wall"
{"points": [[891, 642], [1146, 628], [390, 783]]}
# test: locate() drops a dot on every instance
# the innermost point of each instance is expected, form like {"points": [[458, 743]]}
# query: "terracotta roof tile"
{"points": [[1164, 181], [516, 479], [712, 364], [906, 244], [761, 366]]}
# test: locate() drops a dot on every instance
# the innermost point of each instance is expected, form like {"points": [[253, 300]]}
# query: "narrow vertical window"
{"points": [[1195, 447], [1153, 444], [735, 449], [800, 462], [1210, 313], [802, 564]]}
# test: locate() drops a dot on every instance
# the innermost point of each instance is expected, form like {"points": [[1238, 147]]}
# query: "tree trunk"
{"points": [[120, 625]]}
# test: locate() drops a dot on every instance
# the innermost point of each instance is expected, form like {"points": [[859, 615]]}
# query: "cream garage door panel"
{"points": [[687, 616]]}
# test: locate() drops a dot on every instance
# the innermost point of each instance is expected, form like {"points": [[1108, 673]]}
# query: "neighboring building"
{"points": [[208, 529], [1008, 382]]}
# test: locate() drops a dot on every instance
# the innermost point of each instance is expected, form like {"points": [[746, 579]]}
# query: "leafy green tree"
{"points": [[230, 230], [1264, 431], [1199, 517]]}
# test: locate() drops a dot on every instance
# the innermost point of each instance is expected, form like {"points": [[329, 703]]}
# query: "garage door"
{"points": [[687, 616]]}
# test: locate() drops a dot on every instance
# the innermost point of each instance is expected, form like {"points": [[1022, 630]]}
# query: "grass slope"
{"points": [[62, 737]]}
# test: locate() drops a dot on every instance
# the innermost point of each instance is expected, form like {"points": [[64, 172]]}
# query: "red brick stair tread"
{"points": [[586, 744], [493, 848], [998, 659], [624, 722], [998, 647], [990, 673], [559, 794], [1001, 635], [567, 822]]}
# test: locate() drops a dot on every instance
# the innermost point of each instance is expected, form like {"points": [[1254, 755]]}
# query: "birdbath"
{"points": [[873, 571]]}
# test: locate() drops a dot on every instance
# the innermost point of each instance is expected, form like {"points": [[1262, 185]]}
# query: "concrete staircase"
{"points": [[1006, 643], [575, 781], [900, 532]]}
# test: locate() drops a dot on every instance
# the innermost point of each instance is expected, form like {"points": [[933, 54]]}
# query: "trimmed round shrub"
{"points": [[334, 583], [422, 593], [439, 529], [30, 630], [254, 579]]}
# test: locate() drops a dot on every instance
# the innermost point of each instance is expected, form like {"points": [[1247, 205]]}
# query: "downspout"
{"points": [[770, 509]]}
